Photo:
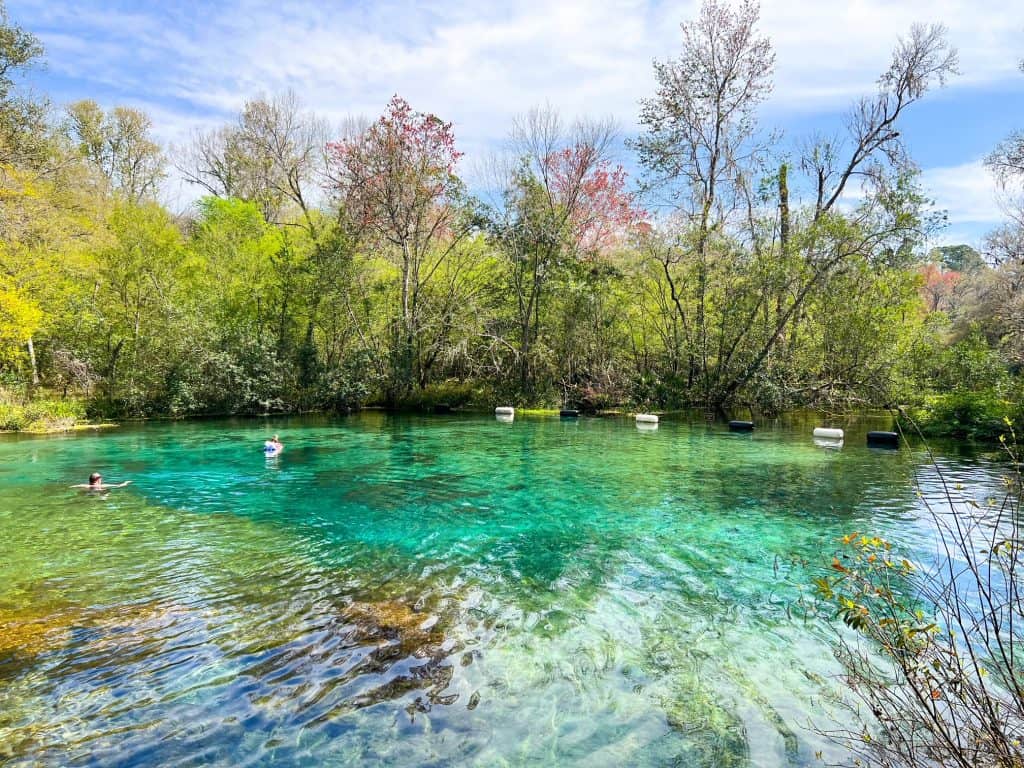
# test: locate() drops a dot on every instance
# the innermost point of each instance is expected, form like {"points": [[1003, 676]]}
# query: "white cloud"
{"points": [[828, 52], [967, 191], [479, 64]]}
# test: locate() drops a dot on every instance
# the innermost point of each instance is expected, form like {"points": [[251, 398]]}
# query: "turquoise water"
{"points": [[443, 591]]}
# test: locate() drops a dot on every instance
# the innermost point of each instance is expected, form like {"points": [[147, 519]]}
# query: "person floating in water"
{"points": [[96, 483], [273, 445]]}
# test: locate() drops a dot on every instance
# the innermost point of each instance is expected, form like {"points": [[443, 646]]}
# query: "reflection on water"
{"points": [[432, 592]]}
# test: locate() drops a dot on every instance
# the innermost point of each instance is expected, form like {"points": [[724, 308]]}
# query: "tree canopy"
{"points": [[327, 269]]}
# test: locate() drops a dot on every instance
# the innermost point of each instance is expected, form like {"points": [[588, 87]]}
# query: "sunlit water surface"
{"points": [[443, 591]]}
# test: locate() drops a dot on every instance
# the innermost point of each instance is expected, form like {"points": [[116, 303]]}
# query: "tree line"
{"points": [[326, 267]]}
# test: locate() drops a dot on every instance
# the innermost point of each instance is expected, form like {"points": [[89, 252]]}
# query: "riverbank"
{"points": [[40, 414], [56, 429], [976, 417]]}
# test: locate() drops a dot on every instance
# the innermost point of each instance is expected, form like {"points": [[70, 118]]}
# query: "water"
{"points": [[433, 592]]}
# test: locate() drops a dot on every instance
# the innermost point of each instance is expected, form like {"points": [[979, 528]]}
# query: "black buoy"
{"points": [[741, 426], [884, 439], [441, 408], [569, 413]]}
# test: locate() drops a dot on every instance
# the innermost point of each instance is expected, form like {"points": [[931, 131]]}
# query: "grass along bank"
{"points": [[44, 414]]}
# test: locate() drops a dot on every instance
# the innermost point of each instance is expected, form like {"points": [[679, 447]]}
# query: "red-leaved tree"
{"points": [[562, 202], [939, 286], [599, 211], [396, 186]]}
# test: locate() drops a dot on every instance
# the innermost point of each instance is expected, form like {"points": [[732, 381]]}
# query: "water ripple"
{"points": [[431, 592]]}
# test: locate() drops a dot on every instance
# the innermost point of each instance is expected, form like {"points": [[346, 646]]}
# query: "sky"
{"points": [[191, 65]]}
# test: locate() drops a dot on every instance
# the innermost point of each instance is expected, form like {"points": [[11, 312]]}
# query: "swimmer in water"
{"points": [[96, 483], [273, 445]]}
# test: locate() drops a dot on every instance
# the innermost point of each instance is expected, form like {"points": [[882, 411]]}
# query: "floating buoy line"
{"points": [[824, 437]]}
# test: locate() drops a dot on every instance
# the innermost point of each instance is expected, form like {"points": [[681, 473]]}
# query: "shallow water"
{"points": [[444, 591]]}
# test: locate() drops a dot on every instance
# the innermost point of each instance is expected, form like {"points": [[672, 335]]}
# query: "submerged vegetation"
{"points": [[326, 268]]}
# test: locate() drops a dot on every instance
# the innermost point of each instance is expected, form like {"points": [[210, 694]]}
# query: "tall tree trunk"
{"points": [[783, 208], [32, 360], [525, 374]]}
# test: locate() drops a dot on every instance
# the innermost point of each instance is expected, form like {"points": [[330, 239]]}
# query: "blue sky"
{"points": [[192, 65]]}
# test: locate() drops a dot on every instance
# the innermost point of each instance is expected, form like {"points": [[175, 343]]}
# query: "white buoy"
{"points": [[830, 434], [504, 410], [646, 418]]}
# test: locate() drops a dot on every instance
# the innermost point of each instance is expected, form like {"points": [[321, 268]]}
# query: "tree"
{"points": [[562, 205], [1006, 161], [396, 188], [699, 148], [703, 115], [50, 220], [959, 258], [738, 275], [236, 248], [938, 285], [18, 48], [20, 319], [273, 156], [23, 133], [999, 293], [120, 145], [269, 156], [137, 304]]}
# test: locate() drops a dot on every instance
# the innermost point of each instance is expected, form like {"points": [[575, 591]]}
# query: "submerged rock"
{"points": [[25, 633]]}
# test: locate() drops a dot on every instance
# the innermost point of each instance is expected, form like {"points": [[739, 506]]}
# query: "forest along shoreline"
{"points": [[296, 282]]}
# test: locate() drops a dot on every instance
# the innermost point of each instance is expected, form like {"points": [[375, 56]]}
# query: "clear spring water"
{"points": [[435, 591]]}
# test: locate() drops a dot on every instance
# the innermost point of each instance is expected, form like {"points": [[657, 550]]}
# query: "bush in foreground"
{"points": [[935, 666]]}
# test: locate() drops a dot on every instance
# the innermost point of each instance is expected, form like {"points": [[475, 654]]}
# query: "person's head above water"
{"points": [[96, 483]]}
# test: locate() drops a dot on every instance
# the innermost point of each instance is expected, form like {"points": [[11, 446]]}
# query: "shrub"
{"points": [[964, 414], [39, 415], [454, 393], [939, 677], [12, 417]]}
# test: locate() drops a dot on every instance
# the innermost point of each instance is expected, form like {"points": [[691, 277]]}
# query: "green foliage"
{"points": [[452, 393], [23, 132], [20, 318], [117, 145], [39, 414], [399, 288], [971, 391], [959, 258], [967, 414], [345, 388], [970, 364]]}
